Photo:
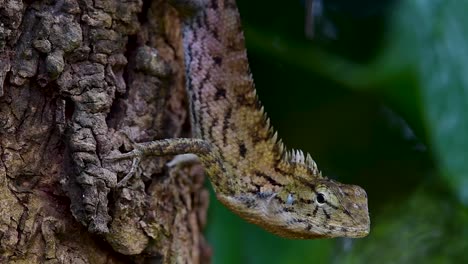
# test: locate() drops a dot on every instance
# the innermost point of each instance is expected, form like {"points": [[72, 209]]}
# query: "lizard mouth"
{"points": [[362, 228], [340, 231], [358, 233]]}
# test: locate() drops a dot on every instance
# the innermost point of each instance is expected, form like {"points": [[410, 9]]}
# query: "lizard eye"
{"points": [[320, 198]]}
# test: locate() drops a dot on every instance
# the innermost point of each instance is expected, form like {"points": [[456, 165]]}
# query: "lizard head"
{"points": [[323, 209], [333, 210]]}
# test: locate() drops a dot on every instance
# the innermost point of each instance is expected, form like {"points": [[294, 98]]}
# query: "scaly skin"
{"points": [[251, 172]]}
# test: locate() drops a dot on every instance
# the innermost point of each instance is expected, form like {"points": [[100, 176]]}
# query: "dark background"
{"points": [[378, 97]]}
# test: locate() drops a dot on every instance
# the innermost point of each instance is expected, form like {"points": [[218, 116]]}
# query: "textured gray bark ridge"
{"points": [[81, 80]]}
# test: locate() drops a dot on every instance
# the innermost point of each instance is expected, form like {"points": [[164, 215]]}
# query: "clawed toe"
{"points": [[135, 155], [135, 163]]}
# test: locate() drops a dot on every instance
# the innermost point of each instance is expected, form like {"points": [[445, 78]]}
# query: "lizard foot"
{"points": [[135, 155], [163, 147]]}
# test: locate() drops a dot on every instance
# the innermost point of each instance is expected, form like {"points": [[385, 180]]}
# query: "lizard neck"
{"points": [[224, 107]]}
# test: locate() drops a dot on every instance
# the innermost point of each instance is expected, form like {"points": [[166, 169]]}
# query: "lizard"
{"points": [[251, 171]]}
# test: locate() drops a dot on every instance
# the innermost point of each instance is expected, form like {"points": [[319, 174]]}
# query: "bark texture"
{"points": [[81, 80]]}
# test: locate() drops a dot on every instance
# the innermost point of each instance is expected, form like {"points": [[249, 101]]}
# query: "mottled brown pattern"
{"points": [[251, 172]]}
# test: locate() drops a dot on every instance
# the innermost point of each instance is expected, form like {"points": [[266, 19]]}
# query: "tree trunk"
{"points": [[82, 80]]}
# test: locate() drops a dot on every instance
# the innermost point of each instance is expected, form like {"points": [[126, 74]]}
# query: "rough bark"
{"points": [[81, 80]]}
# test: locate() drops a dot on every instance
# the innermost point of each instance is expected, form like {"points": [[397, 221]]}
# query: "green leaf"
{"points": [[425, 61], [440, 40]]}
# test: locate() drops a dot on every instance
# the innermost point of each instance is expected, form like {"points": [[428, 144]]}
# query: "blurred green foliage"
{"points": [[383, 105]]}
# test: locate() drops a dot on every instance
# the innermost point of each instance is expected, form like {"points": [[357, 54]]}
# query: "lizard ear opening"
{"points": [[290, 199]]}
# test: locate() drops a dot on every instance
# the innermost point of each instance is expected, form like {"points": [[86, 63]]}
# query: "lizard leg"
{"points": [[164, 147]]}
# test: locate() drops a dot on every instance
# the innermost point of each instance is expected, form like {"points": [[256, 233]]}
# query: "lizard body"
{"points": [[251, 171]]}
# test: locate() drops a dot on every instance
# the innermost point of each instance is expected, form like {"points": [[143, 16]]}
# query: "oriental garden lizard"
{"points": [[252, 172]]}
